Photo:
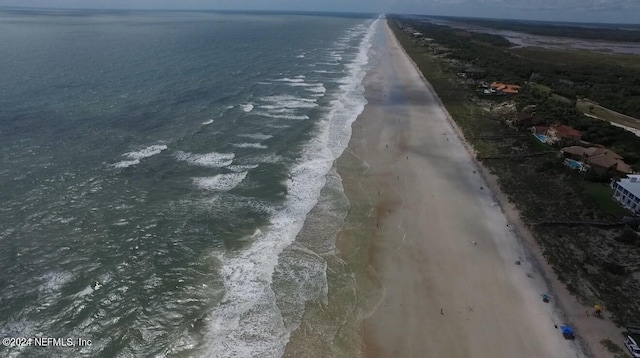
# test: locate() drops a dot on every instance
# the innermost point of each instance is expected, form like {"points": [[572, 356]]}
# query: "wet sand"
{"points": [[443, 251]]}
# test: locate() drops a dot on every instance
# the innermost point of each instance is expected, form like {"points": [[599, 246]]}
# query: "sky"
{"points": [[612, 11]]}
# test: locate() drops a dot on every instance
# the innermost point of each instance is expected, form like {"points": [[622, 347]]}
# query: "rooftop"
{"points": [[632, 187], [565, 131]]}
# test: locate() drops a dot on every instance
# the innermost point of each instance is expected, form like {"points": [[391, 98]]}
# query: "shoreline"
{"points": [[394, 231]]}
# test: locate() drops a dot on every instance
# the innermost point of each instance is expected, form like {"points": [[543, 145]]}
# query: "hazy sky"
{"points": [[627, 11]]}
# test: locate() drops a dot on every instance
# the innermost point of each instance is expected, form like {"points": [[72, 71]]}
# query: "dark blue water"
{"points": [[153, 167]]}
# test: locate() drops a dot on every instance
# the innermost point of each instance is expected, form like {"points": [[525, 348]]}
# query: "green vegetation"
{"points": [[613, 348], [598, 264], [604, 78], [602, 194], [596, 110], [630, 34]]}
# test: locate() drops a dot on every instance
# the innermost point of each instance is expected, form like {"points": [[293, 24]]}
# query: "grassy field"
{"points": [[607, 114], [602, 194]]}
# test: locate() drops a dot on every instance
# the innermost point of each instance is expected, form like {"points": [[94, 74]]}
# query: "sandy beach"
{"points": [[444, 253]]}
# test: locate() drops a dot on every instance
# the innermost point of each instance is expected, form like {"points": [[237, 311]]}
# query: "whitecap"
{"points": [[206, 123], [136, 156], [146, 152], [242, 167], [210, 160], [220, 182], [282, 116], [291, 80], [126, 163], [258, 136], [250, 145], [248, 107]]}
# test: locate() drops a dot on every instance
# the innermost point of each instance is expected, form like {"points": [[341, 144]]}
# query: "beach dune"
{"points": [[444, 253]]}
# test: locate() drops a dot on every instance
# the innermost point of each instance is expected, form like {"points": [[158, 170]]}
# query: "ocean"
{"points": [[156, 169]]}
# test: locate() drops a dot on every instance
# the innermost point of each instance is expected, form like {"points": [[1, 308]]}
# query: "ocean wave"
{"points": [[207, 122], [136, 156], [210, 160], [220, 182], [290, 102], [249, 304], [290, 80], [248, 107], [146, 152], [258, 136], [282, 116], [126, 163], [250, 145], [242, 167]]}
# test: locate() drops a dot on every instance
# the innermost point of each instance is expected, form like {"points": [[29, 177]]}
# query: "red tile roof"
{"points": [[563, 131]]}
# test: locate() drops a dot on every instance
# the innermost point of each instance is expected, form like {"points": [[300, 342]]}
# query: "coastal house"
{"points": [[526, 119], [626, 191], [473, 72], [602, 161], [556, 133], [505, 88], [561, 131]]}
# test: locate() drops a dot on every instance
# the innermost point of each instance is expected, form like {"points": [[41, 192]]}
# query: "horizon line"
{"points": [[283, 11]]}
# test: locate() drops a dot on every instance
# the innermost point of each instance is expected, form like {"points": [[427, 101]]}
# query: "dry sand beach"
{"points": [[443, 251]]}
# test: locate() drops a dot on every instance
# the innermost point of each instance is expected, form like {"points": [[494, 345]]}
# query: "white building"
{"points": [[626, 191]]}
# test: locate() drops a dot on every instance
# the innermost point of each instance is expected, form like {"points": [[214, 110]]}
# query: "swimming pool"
{"points": [[541, 137], [574, 164]]}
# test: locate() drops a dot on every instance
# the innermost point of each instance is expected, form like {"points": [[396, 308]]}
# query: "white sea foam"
{"points": [[242, 167], [210, 160], [53, 281], [290, 80], [282, 116], [126, 163], [250, 145], [220, 182], [317, 89], [289, 102], [325, 71], [136, 156], [248, 323], [302, 84], [258, 136], [146, 152], [206, 123], [248, 107], [277, 109]]}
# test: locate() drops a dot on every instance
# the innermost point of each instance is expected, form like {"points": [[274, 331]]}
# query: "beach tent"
{"points": [[567, 332]]}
